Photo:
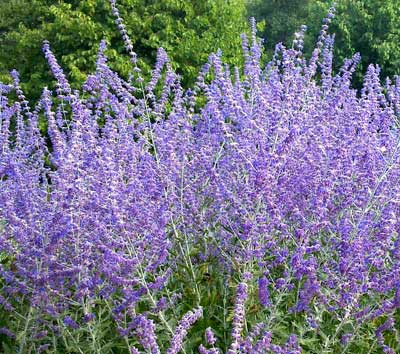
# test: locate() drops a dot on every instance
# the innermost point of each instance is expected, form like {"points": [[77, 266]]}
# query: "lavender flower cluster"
{"points": [[282, 174]]}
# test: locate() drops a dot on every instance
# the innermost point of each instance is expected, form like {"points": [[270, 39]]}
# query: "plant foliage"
{"points": [[188, 30]]}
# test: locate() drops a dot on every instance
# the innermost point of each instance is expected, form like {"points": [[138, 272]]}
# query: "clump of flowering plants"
{"points": [[254, 213]]}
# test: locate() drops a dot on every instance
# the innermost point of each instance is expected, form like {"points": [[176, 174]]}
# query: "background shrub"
{"points": [[188, 30], [370, 27]]}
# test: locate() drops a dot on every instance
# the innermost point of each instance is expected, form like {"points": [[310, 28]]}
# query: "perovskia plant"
{"points": [[254, 213]]}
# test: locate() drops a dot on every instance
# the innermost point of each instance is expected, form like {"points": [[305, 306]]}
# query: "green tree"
{"points": [[370, 27], [189, 30], [278, 19]]}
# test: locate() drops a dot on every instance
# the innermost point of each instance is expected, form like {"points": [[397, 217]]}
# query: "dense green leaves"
{"points": [[371, 27], [188, 30]]}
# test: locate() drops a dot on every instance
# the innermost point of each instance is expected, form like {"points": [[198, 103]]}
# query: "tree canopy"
{"points": [[370, 27], [188, 30]]}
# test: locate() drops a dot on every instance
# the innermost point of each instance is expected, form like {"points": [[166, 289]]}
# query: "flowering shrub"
{"points": [[255, 213]]}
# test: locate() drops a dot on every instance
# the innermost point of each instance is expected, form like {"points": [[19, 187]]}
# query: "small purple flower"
{"points": [[41, 334], [133, 350], [69, 322], [182, 329], [210, 336], [387, 325], [263, 344], [89, 317], [263, 292], [44, 347], [202, 349], [162, 305], [7, 332], [144, 330], [345, 338], [396, 302], [238, 317]]}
